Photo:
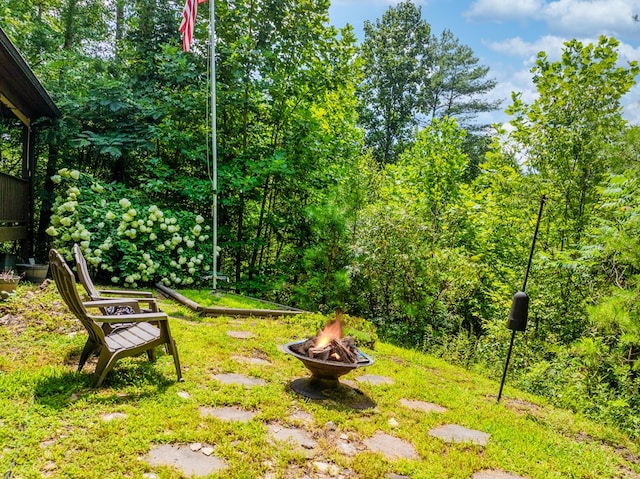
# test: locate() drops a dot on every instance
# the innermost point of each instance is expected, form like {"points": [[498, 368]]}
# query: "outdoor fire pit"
{"points": [[328, 356]]}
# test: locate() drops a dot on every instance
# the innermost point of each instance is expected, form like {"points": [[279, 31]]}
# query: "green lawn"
{"points": [[53, 425], [207, 298]]}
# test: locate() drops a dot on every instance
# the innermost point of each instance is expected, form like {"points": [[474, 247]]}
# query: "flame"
{"points": [[333, 330]]}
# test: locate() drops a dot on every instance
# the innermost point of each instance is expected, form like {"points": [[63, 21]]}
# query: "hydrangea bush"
{"points": [[125, 238]]}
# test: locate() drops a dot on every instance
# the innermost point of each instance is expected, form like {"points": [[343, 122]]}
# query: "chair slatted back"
{"points": [[83, 273], [66, 284]]}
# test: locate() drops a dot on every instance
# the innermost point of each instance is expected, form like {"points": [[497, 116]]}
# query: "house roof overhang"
{"points": [[20, 90]]}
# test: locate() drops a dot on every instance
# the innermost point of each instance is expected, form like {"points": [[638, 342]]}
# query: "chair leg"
{"points": [[171, 345], [89, 348], [105, 363], [151, 354]]}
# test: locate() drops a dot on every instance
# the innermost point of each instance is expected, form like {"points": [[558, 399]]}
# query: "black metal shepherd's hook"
{"points": [[520, 305]]}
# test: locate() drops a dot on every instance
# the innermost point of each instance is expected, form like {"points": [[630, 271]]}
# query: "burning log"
{"points": [[329, 345]]}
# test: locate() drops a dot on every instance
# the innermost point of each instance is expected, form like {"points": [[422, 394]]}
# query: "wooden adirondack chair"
{"points": [[144, 297], [143, 333]]}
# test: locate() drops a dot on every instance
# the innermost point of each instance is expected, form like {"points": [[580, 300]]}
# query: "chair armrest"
{"points": [[105, 303], [132, 318], [152, 303], [124, 292]]}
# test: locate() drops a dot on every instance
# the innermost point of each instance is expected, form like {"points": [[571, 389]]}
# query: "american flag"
{"points": [[188, 21]]}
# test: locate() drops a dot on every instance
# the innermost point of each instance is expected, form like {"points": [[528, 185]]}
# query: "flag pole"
{"points": [[212, 23]]}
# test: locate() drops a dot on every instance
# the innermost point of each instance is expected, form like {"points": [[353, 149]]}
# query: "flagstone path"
{"points": [[300, 432]]}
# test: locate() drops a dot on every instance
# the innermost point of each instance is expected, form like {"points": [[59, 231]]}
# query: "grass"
{"points": [[227, 300], [51, 422]]}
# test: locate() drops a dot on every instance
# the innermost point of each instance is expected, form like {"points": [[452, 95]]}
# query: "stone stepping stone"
{"points": [[494, 474], [298, 437], [241, 334], [327, 468], [455, 433], [373, 379], [391, 447], [301, 416], [191, 463], [229, 414], [233, 378], [393, 475], [422, 406], [252, 360], [345, 447], [113, 416]]}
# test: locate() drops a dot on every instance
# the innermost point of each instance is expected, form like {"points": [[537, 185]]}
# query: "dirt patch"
{"points": [[422, 406], [523, 407]]}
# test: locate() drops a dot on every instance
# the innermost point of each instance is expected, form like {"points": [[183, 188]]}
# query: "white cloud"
{"points": [[565, 17], [553, 46], [520, 81], [501, 10], [367, 4], [528, 51], [632, 106], [580, 17], [628, 53]]}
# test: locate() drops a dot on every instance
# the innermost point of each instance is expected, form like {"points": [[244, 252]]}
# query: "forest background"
{"points": [[350, 176]]}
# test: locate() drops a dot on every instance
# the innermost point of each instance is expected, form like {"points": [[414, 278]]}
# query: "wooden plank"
{"points": [[13, 233]]}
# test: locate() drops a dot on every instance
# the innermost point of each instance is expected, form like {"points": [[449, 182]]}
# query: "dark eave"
{"points": [[20, 90]]}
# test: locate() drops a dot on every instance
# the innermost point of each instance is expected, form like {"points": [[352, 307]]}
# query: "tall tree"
{"points": [[455, 84], [394, 51], [411, 77], [565, 131], [564, 136], [285, 76]]}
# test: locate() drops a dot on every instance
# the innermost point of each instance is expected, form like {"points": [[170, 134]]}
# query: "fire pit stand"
{"points": [[324, 383]]}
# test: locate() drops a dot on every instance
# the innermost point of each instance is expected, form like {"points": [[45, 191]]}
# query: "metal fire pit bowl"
{"points": [[323, 383]]}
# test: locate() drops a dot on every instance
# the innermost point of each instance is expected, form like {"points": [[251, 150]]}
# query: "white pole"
{"points": [[214, 142]]}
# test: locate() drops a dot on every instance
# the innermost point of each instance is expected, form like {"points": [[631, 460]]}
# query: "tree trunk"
{"points": [[69, 24]]}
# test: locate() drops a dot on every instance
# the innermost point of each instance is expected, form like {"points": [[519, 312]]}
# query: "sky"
{"points": [[506, 35]]}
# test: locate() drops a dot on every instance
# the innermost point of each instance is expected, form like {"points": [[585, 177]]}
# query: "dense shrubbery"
{"points": [[126, 239]]}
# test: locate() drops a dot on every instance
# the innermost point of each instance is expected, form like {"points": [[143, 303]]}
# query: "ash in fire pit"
{"points": [[329, 356]]}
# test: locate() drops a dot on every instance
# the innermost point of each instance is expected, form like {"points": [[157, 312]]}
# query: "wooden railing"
{"points": [[14, 208]]}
